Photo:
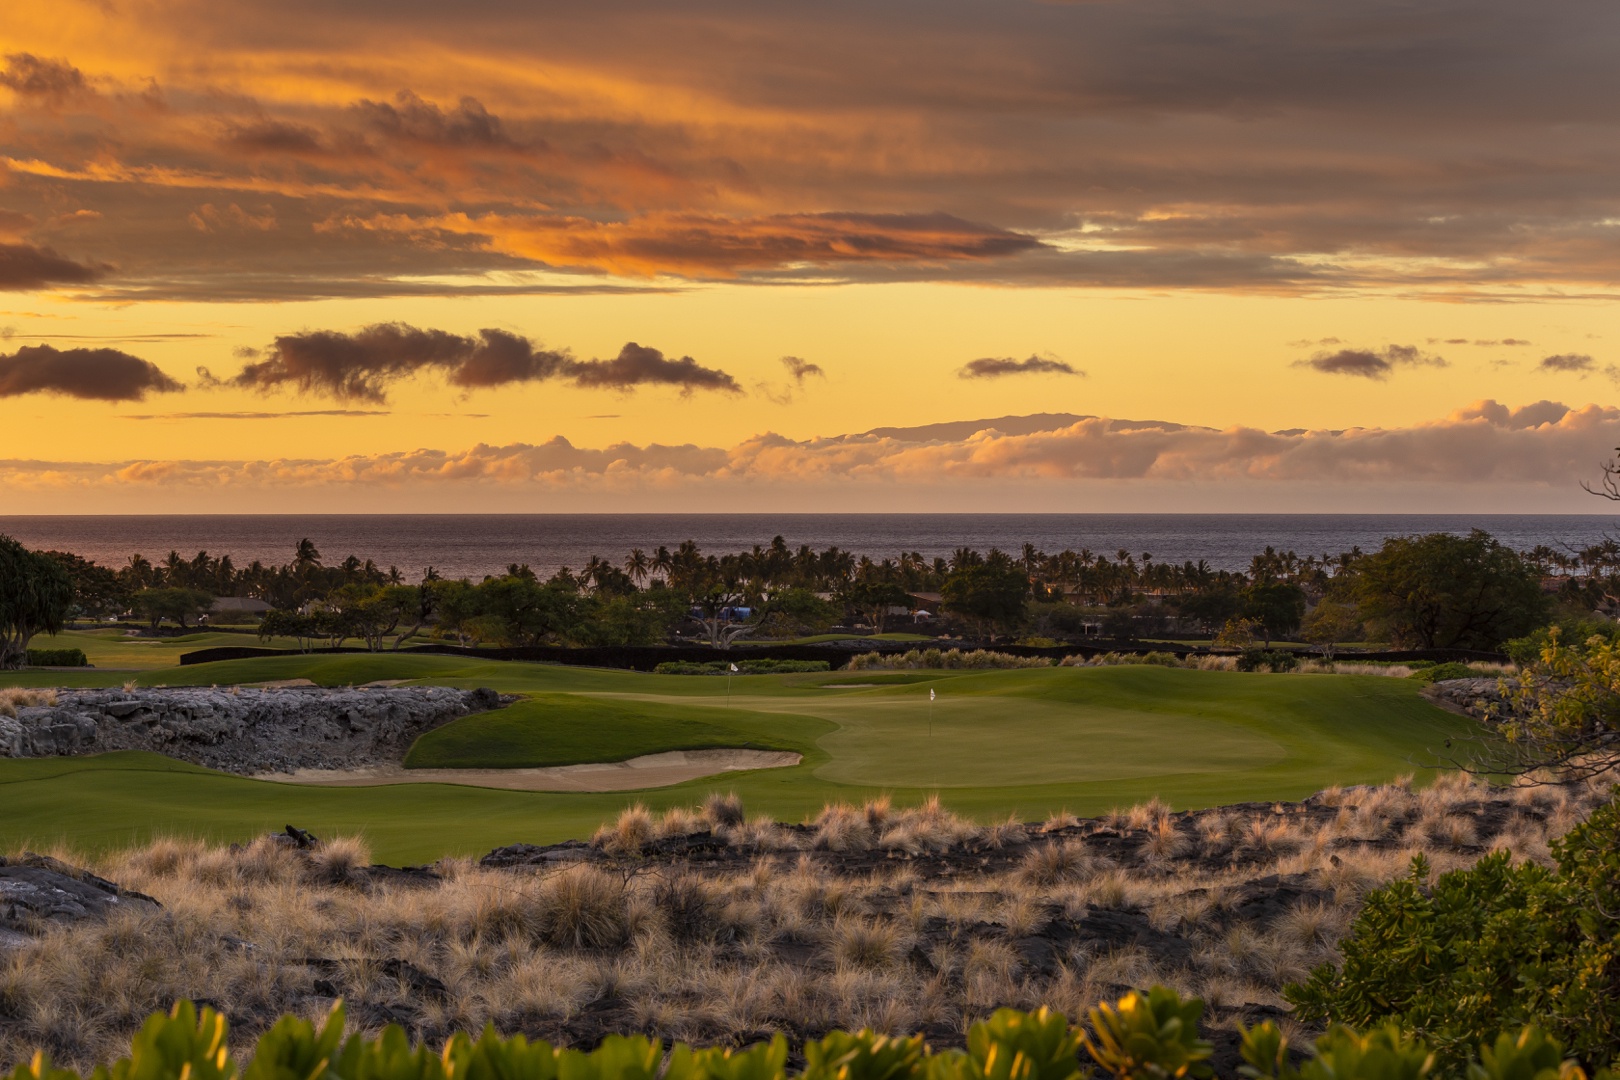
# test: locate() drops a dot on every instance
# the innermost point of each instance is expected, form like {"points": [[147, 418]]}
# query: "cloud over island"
{"points": [[1487, 444]]}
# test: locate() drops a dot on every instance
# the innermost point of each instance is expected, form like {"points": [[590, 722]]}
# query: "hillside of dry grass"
{"points": [[707, 926]]}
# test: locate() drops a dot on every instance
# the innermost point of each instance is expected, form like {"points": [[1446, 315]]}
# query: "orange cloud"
{"points": [[1079, 145], [1484, 446], [697, 245]]}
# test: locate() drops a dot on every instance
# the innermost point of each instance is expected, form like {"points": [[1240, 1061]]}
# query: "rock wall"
{"points": [[241, 730], [1479, 698]]}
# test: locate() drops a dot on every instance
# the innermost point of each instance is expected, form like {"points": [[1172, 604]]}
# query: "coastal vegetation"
{"points": [[1434, 591], [712, 924]]}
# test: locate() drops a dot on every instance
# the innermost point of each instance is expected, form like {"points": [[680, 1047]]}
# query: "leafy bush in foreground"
{"points": [[951, 658], [744, 667], [1268, 659], [1487, 948], [57, 658], [1434, 673], [1152, 1036]]}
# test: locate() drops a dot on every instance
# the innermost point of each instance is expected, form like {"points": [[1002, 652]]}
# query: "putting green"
{"points": [[1025, 742], [573, 729]]}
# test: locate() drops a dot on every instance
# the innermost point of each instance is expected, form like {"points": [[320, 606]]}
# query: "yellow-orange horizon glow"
{"points": [[1336, 260]]}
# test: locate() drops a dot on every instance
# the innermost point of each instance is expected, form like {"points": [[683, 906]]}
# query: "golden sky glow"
{"points": [[1359, 257]]}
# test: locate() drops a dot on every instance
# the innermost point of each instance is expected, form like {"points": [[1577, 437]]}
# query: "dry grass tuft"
{"points": [[14, 698], [583, 908], [630, 834], [1054, 863], [723, 811], [866, 943], [339, 861]]}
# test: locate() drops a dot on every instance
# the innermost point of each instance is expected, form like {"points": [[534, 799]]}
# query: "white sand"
{"points": [[647, 771]]}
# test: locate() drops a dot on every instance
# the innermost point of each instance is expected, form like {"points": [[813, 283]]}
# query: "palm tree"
{"points": [[305, 556], [662, 561], [139, 570], [636, 564]]}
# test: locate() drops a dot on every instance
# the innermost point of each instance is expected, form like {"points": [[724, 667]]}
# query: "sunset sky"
{"points": [[522, 256]]}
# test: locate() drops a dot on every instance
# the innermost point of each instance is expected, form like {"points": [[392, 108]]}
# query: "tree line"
{"points": [[1435, 591]]}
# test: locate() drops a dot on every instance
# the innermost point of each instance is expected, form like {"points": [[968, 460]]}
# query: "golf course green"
{"points": [[992, 743]]}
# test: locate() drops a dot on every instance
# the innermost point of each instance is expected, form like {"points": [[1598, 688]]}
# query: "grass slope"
{"points": [[568, 729], [114, 649], [1023, 742]]}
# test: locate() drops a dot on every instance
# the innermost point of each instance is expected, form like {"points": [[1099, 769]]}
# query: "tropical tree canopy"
{"points": [[35, 596], [1445, 591]]}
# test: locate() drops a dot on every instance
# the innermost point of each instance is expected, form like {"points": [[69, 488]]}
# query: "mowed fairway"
{"points": [[994, 743]]}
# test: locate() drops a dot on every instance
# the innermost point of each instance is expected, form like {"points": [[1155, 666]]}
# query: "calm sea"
{"points": [[474, 545]]}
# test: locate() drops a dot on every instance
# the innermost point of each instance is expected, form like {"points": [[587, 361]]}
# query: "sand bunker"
{"points": [[647, 771]]}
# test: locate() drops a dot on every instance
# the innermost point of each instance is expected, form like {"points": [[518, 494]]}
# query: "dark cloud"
{"points": [[637, 365], [13, 224], [1154, 144], [274, 137], [121, 338], [36, 77], [1371, 363], [24, 266], [1514, 341], [995, 367], [800, 370], [91, 374], [410, 117], [1567, 362], [501, 358], [360, 366], [253, 415]]}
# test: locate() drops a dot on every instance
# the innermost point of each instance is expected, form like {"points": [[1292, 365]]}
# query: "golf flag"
{"points": [[930, 693], [733, 669]]}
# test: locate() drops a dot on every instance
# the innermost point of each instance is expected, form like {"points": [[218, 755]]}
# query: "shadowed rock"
{"points": [[241, 730]]}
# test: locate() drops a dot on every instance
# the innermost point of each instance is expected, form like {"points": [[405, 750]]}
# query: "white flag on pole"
{"points": [[930, 694], [734, 668]]}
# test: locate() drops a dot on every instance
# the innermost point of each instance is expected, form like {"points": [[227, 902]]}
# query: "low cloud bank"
{"points": [[1545, 444]]}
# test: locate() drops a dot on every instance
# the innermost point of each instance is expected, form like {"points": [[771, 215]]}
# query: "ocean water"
{"points": [[475, 545]]}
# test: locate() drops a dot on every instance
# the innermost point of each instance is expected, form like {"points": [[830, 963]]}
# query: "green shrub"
{"points": [[1489, 948], [1437, 672], [1526, 650], [57, 658], [1152, 1036], [744, 667], [948, 659], [1272, 659]]}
